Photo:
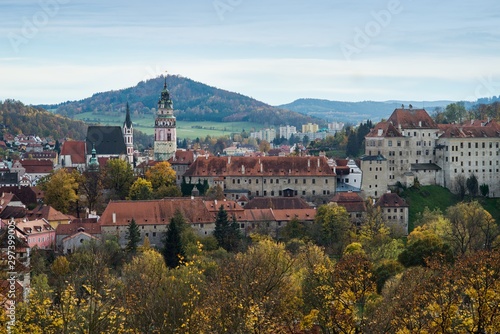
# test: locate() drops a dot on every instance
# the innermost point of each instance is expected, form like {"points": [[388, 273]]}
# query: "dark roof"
{"points": [[107, 140], [387, 130], [391, 200], [289, 203], [8, 178], [13, 212], [351, 201], [128, 121], [428, 166], [26, 194], [379, 157]]}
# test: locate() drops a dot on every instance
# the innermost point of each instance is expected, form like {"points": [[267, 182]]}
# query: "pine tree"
{"points": [[227, 234], [133, 236], [173, 250]]}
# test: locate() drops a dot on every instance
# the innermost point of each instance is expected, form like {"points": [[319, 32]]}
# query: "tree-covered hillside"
{"points": [[193, 101], [16, 118]]}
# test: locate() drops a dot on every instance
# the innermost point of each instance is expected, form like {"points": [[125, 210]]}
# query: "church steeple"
{"points": [[93, 163], [128, 136], [128, 122]]}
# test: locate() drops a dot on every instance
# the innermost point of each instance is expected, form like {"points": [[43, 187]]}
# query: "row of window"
{"points": [[276, 181]]}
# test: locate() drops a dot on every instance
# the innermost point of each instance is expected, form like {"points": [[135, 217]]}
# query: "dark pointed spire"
{"points": [[128, 121]]}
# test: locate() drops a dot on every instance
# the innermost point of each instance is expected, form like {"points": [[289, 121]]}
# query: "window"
{"points": [[389, 143], [313, 181]]}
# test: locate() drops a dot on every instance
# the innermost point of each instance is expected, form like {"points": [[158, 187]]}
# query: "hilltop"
{"points": [[193, 101]]}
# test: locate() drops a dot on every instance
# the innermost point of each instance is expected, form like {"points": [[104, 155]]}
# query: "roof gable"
{"points": [[75, 149], [107, 140], [412, 119]]}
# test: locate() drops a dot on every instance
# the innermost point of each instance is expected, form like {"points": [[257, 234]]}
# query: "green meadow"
{"points": [[188, 130]]}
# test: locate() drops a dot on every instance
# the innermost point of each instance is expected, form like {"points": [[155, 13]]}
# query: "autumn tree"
{"points": [[459, 185], [161, 174], [215, 193], [118, 177], [141, 189], [331, 227], [61, 189], [472, 228], [264, 146], [424, 246]]}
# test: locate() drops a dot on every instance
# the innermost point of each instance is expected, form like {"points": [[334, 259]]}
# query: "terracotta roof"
{"points": [[34, 226], [182, 158], [76, 149], [47, 212], [37, 166], [277, 203], [229, 206], [155, 212], [384, 129], [4, 240], [351, 201], [491, 130], [389, 200], [412, 119], [260, 166], [300, 214], [69, 229]]}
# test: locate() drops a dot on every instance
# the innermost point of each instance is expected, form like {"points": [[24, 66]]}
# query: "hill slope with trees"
{"points": [[16, 118], [193, 101]]}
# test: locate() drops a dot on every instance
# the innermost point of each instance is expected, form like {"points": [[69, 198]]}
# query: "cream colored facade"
{"points": [[374, 182]]}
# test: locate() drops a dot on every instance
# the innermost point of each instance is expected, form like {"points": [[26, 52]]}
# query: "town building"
{"points": [[287, 131], [374, 181], [310, 127], [395, 212], [73, 155], [165, 142], [37, 233], [308, 177], [354, 205]]}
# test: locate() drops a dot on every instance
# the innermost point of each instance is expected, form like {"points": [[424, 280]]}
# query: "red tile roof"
{"points": [[182, 158], [277, 203], [412, 119], [387, 130], [49, 213], [351, 201], [37, 166], [76, 149], [70, 229], [488, 130], [260, 166]]}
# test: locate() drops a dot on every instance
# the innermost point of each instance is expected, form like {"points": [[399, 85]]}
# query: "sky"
{"points": [[275, 51]]}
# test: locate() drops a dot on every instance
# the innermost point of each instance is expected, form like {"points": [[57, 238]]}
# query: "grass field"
{"points": [[188, 130], [436, 197]]}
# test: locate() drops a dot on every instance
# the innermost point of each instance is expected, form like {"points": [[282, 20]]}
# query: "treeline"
{"points": [[324, 277], [458, 113], [18, 118], [193, 101]]}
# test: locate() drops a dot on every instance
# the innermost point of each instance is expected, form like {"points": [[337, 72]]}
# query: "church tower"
{"points": [[165, 128], [128, 136]]}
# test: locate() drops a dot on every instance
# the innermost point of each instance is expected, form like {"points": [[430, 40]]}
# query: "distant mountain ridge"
{"points": [[355, 112], [193, 101]]}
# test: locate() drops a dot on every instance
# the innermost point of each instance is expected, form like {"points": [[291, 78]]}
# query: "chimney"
{"points": [[419, 124], [318, 163], [308, 163], [114, 218], [229, 160], [215, 203], [242, 169]]}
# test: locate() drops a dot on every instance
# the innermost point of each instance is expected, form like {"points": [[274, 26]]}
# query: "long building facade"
{"points": [[308, 177]]}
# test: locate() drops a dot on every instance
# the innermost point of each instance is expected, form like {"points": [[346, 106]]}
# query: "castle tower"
{"points": [[165, 128], [128, 136], [93, 162]]}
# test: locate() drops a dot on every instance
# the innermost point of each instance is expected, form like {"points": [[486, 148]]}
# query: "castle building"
{"points": [[415, 147], [165, 143]]}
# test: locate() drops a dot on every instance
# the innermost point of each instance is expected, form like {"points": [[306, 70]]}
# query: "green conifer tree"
{"points": [[133, 236]]}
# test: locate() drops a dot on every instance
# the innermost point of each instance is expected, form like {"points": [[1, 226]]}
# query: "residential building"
{"points": [[37, 233], [374, 181], [287, 131], [180, 162], [72, 242], [310, 127], [394, 212], [73, 154], [354, 205]]}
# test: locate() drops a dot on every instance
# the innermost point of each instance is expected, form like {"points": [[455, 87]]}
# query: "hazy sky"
{"points": [[275, 51]]}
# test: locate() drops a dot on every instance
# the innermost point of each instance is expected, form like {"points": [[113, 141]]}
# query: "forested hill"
{"points": [[354, 112], [15, 118], [193, 101]]}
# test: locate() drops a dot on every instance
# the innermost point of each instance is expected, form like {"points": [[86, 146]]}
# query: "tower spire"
{"points": [[128, 121]]}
